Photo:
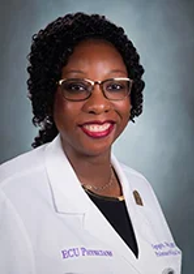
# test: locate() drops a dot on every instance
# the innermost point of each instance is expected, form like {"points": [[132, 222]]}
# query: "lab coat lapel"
{"points": [[67, 193], [141, 216], [140, 222], [98, 226], [70, 198]]}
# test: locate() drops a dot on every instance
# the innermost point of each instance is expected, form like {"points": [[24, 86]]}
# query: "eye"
{"points": [[116, 86], [75, 86]]}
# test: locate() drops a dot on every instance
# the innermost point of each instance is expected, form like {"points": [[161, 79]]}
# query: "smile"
{"points": [[97, 128], [98, 131]]}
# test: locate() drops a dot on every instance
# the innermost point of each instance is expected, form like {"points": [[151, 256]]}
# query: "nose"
{"points": [[97, 103]]}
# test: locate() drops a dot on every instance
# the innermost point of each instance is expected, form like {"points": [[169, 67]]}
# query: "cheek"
{"points": [[61, 112], [124, 109], [65, 113]]}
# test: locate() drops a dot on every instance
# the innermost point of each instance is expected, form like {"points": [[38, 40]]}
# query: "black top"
{"points": [[116, 213]]}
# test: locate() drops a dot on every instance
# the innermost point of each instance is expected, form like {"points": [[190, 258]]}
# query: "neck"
{"points": [[94, 170]]}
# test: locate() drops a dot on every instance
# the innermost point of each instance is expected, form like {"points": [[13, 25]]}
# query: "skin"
{"points": [[90, 157]]}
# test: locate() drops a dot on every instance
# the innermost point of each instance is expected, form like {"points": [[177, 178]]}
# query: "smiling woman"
{"points": [[89, 126], [69, 206]]}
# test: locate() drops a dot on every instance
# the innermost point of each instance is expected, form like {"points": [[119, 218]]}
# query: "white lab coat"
{"points": [[49, 225]]}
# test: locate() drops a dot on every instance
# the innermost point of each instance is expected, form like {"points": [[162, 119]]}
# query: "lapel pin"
{"points": [[137, 197], [168, 271]]}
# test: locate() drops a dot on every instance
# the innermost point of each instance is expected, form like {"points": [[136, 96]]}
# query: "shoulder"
{"points": [[130, 176], [138, 182], [132, 172], [22, 165], [135, 178], [23, 182]]}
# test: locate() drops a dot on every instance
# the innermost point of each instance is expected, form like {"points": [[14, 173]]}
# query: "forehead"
{"points": [[95, 55], [95, 47], [94, 42]]}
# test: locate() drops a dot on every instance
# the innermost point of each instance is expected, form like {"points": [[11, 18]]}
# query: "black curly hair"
{"points": [[50, 51]]}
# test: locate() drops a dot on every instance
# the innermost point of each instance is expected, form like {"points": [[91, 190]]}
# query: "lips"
{"points": [[97, 129]]}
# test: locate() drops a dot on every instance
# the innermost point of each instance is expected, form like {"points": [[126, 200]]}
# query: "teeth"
{"points": [[97, 128]]}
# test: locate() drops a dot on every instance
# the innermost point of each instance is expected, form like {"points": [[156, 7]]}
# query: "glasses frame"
{"points": [[100, 83]]}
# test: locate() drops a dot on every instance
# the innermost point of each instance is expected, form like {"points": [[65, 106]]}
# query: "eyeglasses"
{"points": [[76, 89]]}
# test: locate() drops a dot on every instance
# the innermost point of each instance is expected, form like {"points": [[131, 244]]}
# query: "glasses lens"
{"points": [[76, 89], [117, 89]]}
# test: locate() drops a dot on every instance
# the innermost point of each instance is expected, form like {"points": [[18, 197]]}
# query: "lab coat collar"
{"points": [[70, 198], [68, 195], [67, 192]]}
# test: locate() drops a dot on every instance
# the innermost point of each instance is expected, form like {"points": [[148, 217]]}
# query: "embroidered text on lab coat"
{"points": [[82, 251]]}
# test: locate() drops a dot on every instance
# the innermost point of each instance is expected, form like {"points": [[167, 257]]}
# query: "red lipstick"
{"points": [[97, 129]]}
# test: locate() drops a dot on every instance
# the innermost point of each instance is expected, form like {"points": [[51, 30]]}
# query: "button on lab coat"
{"points": [[49, 225]]}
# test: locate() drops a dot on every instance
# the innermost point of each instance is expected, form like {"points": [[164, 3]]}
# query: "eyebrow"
{"points": [[117, 70], [82, 72], [74, 71]]}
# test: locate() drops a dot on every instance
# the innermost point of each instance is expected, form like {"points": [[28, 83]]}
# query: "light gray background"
{"points": [[161, 143]]}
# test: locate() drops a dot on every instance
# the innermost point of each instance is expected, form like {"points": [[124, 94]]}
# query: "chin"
{"points": [[95, 151]]}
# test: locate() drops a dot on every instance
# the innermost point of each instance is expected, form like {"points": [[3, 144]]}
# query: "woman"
{"points": [[69, 206]]}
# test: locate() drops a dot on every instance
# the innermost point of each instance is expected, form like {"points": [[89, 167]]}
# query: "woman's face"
{"points": [[90, 127]]}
